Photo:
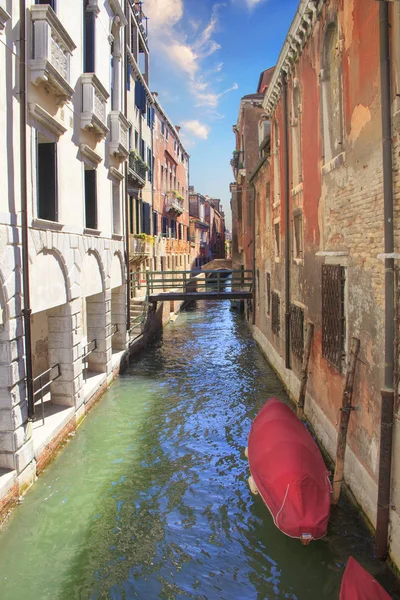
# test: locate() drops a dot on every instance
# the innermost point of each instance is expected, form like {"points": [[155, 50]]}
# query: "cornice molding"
{"points": [[89, 155], [4, 17], [299, 33], [45, 118], [118, 12], [115, 174]]}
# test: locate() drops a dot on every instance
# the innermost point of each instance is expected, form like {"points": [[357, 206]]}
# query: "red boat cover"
{"points": [[358, 584], [289, 472]]}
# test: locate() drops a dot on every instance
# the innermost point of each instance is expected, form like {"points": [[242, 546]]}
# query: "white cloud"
{"points": [[163, 14], [168, 39], [253, 3], [210, 99], [199, 130]]}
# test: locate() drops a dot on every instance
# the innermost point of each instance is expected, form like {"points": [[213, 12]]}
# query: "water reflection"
{"points": [[150, 499]]}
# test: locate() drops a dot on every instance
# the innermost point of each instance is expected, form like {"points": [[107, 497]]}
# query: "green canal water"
{"points": [[150, 499]]}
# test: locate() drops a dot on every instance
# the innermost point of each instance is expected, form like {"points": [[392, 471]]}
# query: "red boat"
{"points": [[289, 473], [358, 584]]}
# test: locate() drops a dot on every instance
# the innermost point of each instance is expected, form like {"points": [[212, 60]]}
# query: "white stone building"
{"points": [[73, 187]]}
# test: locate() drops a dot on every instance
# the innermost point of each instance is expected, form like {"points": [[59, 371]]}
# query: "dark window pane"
{"points": [[90, 199], [89, 42], [47, 181]]}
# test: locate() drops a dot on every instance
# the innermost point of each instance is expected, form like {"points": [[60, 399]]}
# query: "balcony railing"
{"points": [[175, 202], [237, 161], [138, 247], [94, 101], [51, 51], [137, 168], [119, 135]]}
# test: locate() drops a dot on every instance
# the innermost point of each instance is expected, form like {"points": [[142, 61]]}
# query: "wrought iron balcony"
{"points": [[137, 168], [119, 135], [175, 202], [94, 101], [51, 51]]}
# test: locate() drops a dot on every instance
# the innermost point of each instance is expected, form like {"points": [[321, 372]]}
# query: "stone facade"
{"points": [[334, 199]]}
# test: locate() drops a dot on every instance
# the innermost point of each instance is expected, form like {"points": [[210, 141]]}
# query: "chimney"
{"points": [[178, 128]]}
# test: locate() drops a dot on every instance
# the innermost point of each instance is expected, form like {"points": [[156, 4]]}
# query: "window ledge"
{"points": [[89, 231], [298, 261], [45, 224], [333, 164], [277, 259], [117, 236], [297, 189]]}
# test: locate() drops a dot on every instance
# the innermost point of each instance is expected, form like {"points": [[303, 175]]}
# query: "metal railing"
{"points": [[87, 351], [138, 166], [44, 386], [189, 281]]}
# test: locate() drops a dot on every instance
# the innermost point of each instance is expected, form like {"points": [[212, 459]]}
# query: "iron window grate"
{"points": [[276, 306], [268, 293], [297, 330], [333, 314]]}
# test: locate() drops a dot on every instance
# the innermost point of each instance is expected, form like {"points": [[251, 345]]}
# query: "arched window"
{"points": [[331, 95], [277, 170], [297, 164]]}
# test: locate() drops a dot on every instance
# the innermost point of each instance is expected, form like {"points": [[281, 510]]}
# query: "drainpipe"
{"points": [[387, 393], [128, 275], [287, 220], [253, 188], [27, 311]]}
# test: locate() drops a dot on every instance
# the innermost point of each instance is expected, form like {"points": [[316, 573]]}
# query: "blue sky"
{"points": [[204, 56]]}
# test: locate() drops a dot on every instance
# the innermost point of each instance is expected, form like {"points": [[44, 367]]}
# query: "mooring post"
{"points": [[344, 420], [304, 370]]}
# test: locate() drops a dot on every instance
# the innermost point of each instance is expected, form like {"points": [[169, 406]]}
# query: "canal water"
{"points": [[150, 499]]}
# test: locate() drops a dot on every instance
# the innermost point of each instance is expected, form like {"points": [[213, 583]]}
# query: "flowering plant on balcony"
{"points": [[139, 160], [178, 196]]}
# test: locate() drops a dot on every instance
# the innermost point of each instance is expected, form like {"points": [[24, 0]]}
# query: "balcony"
{"points": [[175, 202], [137, 169], [138, 247], [51, 52], [237, 163], [94, 102], [119, 135]]}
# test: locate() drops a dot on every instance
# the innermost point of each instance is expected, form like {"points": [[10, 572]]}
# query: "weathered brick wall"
{"points": [[342, 206]]}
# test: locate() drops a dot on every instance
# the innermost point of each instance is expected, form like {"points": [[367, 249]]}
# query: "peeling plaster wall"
{"points": [[342, 206]]}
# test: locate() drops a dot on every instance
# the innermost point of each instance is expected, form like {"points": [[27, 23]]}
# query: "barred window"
{"points": [[276, 308], [297, 330], [333, 314], [277, 234], [268, 293], [298, 235]]}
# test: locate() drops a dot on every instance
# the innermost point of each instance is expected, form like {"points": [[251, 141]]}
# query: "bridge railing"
{"points": [[189, 281]]}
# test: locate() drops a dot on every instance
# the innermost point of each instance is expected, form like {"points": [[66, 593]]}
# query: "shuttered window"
{"points": [[47, 181], [91, 198], [297, 330], [155, 223]]}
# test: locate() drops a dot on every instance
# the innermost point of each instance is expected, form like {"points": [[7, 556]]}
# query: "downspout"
{"points": [[127, 231], [27, 311], [387, 392], [254, 255], [287, 220]]}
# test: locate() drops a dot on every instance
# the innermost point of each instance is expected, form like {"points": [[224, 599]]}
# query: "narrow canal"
{"points": [[150, 500]]}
